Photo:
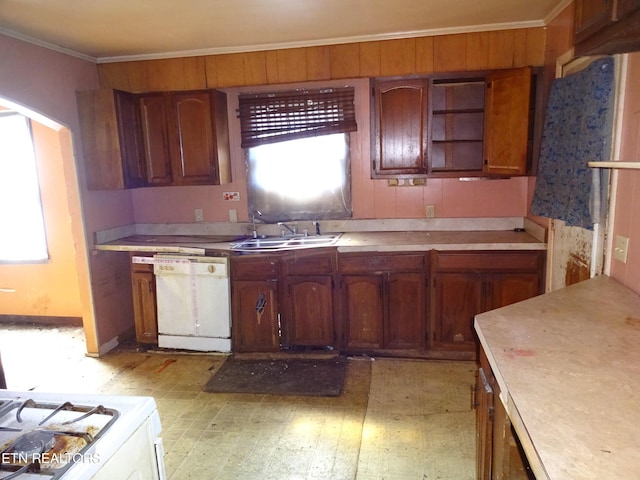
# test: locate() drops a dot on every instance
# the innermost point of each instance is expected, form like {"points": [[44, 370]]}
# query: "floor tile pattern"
{"points": [[397, 419]]}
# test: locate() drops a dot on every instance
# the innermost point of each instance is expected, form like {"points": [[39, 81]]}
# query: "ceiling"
{"points": [[116, 30]]}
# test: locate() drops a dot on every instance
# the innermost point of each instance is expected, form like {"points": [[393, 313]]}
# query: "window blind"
{"points": [[280, 116]]}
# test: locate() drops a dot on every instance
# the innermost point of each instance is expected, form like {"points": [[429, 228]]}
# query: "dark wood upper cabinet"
{"points": [[153, 116], [591, 16], [453, 125], [154, 139], [508, 103], [399, 133], [192, 135], [457, 125], [606, 27], [110, 132], [186, 137]]}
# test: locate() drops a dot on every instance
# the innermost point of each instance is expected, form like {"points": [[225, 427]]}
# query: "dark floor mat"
{"points": [[318, 377]]}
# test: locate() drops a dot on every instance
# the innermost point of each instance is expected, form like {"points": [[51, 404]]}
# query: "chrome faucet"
{"points": [[255, 231], [291, 229]]}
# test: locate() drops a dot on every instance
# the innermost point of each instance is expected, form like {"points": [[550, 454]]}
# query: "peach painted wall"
{"points": [[43, 82], [627, 209], [371, 198], [51, 288]]}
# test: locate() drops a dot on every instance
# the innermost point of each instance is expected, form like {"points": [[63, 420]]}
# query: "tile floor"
{"points": [[396, 419]]}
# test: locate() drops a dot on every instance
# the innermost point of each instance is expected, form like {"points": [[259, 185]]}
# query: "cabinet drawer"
{"points": [[373, 262], [254, 268], [488, 261], [137, 265], [316, 264]]}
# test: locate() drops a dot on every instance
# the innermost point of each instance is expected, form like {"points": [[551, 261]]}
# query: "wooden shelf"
{"points": [[618, 165]]}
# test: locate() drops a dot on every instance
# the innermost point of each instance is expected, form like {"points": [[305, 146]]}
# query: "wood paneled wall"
{"points": [[419, 55]]}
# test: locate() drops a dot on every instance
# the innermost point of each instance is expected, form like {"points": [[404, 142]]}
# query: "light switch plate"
{"points": [[621, 248]]}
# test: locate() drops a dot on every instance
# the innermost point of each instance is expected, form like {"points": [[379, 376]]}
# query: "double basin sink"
{"points": [[270, 244]]}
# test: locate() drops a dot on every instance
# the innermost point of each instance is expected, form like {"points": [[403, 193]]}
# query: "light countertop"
{"points": [[348, 242], [568, 366]]}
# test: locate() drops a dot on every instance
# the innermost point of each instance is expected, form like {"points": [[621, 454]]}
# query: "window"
{"points": [[297, 153], [23, 235]]}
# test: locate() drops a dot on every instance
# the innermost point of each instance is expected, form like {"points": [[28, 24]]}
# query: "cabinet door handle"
{"points": [[474, 401], [261, 303]]}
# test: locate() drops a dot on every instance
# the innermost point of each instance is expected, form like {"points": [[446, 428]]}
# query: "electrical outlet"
{"points": [[198, 214], [621, 248], [231, 196], [430, 211]]}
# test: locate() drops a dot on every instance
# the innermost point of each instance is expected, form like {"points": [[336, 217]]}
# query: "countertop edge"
{"points": [[355, 242], [544, 350], [512, 411]]}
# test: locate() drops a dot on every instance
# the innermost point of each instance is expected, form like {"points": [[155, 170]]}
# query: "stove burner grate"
{"points": [[37, 442], [32, 443]]}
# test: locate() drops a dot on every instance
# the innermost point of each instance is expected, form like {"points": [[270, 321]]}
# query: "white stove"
{"points": [[75, 436]]}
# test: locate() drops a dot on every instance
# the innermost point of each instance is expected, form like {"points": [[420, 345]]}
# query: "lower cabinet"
{"points": [[466, 284], [308, 307], [283, 300], [363, 311], [255, 316], [484, 404], [308, 311], [254, 304], [402, 303], [383, 300], [144, 303], [499, 453]]}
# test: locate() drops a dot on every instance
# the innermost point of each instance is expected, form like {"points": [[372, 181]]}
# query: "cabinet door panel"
{"points": [[507, 110], [144, 307], [363, 303], [399, 132], [591, 16], [130, 139], [110, 138], [508, 289], [484, 424], [625, 7], [405, 296], [255, 316], [309, 318], [459, 297], [154, 117], [194, 150]]}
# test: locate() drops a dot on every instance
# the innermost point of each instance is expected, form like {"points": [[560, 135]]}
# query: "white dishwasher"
{"points": [[193, 299]]}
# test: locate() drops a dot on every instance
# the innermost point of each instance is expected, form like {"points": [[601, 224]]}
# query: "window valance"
{"points": [[280, 116]]}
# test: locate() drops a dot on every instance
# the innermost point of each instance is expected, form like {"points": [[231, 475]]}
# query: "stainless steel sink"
{"points": [[270, 244]]}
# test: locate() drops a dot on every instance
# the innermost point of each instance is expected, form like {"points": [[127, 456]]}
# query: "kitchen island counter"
{"points": [[568, 367]]}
